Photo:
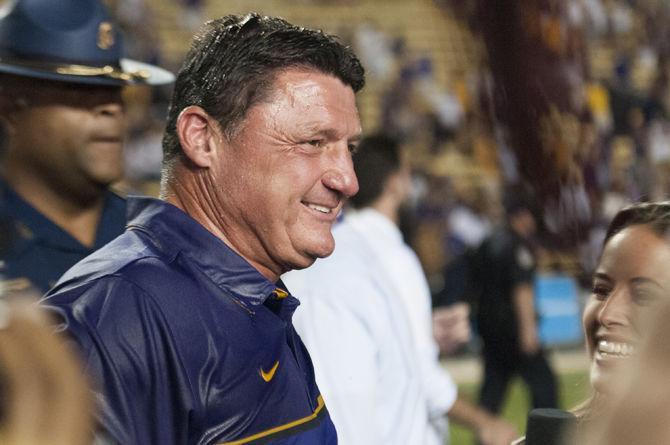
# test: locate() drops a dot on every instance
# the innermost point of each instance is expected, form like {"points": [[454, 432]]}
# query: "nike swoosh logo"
{"points": [[267, 376]]}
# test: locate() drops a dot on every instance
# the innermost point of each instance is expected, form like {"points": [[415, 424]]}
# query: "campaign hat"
{"points": [[71, 41]]}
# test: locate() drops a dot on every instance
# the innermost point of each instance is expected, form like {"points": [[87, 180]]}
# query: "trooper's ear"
{"points": [[198, 134]]}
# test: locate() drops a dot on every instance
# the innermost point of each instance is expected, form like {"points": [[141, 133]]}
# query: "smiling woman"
{"points": [[630, 281], [638, 413]]}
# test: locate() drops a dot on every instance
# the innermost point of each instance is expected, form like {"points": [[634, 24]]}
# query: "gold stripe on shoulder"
{"points": [[280, 428]]}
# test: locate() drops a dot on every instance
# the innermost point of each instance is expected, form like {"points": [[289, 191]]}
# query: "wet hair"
{"points": [[233, 62], [378, 157], [655, 215]]}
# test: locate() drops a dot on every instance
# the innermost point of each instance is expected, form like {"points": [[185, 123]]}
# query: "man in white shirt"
{"points": [[366, 320]]}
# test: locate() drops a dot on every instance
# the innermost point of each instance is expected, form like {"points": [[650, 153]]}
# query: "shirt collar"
{"points": [[174, 232], [374, 221]]}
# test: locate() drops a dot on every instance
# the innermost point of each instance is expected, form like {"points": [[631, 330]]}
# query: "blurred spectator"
{"points": [[467, 220], [376, 50], [505, 267], [144, 153], [192, 13], [44, 397]]}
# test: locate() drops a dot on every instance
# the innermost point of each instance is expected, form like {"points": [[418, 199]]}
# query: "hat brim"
{"points": [[131, 72]]}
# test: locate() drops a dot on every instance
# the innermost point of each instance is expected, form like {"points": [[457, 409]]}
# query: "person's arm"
{"points": [[490, 429], [524, 308]]}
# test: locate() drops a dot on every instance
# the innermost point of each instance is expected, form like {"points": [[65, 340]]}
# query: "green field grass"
{"points": [[573, 387]]}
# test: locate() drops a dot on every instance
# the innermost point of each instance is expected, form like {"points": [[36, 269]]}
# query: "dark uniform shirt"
{"points": [[188, 342], [503, 261], [39, 251]]}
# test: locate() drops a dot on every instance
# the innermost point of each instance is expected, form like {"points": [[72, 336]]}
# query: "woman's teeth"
{"points": [[615, 349]]}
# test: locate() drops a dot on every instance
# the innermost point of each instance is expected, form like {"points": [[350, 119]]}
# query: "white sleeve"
{"points": [[442, 390], [343, 349]]}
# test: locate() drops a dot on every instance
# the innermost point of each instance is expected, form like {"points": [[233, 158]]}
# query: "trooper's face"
{"points": [[71, 135]]}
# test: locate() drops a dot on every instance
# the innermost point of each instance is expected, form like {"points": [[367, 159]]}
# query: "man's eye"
{"points": [[353, 148], [315, 142]]}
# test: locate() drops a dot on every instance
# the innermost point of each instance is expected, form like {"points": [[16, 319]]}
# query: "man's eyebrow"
{"points": [[328, 133]]}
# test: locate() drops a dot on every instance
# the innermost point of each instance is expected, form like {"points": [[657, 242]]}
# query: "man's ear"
{"points": [[198, 133]]}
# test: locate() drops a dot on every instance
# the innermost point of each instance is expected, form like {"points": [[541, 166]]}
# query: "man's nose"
{"points": [[340, 175]]}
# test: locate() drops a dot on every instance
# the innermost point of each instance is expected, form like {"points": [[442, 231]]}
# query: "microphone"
{"points": [[549, 426]]}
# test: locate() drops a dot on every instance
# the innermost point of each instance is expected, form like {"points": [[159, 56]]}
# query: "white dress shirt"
{"points": [[365, 318]]}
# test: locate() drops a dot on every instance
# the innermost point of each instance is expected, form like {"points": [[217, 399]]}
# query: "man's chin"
{"points": [[308, 257]]}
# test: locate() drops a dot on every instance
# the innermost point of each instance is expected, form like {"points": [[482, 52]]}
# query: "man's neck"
{"points": [[387, 207], [77, 215], [179, 192]]}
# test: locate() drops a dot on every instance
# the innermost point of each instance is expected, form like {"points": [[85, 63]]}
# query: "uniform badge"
{"points": [[105, 35]]}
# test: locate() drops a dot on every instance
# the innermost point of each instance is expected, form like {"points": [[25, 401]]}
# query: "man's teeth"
{"points": [[319, 208], [613, 348]]}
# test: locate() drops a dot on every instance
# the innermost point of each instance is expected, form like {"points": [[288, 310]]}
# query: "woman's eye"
{"points": [[601, 292], [644, 297]]}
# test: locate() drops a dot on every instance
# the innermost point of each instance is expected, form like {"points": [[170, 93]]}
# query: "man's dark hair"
{"points": [[655, 215], [377, 158], [233, 62]]}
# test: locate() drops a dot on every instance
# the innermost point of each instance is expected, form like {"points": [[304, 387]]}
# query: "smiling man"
{"points": [[61, 75], [183, 320]]}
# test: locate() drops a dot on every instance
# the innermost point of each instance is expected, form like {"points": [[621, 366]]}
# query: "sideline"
{"points": [[468, 368]]}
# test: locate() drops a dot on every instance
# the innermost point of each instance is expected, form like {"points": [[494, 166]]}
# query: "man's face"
{"points": [[283, 178], [69, 135]]}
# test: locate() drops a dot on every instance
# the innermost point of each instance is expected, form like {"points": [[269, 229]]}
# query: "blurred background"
{"points": [[565, 99]]}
